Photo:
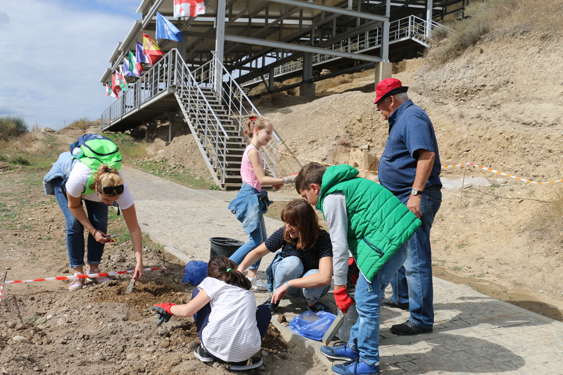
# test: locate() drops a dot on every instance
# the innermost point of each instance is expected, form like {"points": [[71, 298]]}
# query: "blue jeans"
{"points": [[290, 268], [364, 335], [97, 214], [257, 237], [413, 282], [201, 319]]}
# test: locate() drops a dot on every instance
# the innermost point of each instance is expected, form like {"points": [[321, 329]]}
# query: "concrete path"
{"points": [[473, 334]]}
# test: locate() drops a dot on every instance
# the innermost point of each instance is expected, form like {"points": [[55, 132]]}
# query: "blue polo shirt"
{"points": [[410, 130]]}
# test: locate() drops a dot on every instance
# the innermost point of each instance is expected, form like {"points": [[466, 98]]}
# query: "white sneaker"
{"points": [[99, 280], [76, 283], [258, 284]]}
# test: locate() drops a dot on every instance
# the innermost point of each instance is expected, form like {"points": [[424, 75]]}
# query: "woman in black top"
{"points": [[303, 267]]}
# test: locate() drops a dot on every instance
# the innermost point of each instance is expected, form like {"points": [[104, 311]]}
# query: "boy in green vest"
{"points": [[370, 222]]}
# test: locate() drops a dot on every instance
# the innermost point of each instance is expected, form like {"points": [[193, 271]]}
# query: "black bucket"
{"points": [[224, 246]]}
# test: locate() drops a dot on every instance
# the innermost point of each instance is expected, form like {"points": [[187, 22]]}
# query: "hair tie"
{"points": [[252, 119], [228, 269]]}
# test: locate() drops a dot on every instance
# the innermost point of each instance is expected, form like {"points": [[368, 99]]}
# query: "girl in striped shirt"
{"points": [[230, 326]]}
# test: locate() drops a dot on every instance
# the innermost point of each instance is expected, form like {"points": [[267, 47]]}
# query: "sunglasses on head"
{"points": [[112, 190]]}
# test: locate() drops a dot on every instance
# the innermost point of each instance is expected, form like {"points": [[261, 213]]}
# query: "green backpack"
{"points": [[94, 150]]}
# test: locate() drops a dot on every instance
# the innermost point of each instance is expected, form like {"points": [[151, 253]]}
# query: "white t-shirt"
{"points": [[231, 333], [76, 185]]}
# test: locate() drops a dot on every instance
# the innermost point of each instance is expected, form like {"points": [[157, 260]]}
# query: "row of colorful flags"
{"points": [[149, 52]]}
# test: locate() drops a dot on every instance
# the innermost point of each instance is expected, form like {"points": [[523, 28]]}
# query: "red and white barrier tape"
{"points": [[443, 167], [501, 173], [87, 276]]}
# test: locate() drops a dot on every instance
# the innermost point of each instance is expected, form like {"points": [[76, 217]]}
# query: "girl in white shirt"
{"points": [[230, 326]]}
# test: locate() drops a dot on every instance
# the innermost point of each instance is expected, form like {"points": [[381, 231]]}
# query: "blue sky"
{"points": [[53, 55]]}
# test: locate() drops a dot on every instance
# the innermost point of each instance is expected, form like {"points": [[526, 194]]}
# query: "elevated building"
{"points": [[238, 44]]}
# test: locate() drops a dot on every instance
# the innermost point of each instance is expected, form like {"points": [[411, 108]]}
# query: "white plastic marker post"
{"points": [[87, 276], [2, 286]]}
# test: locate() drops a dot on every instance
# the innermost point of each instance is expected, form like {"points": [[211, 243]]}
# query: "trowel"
{"points": [[130, 286], [154, 329]]}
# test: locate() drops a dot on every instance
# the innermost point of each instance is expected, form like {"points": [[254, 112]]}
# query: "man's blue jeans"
{"points": [[364, 335], [257, 237], [290, 268], [413, 282], [97, 214]]}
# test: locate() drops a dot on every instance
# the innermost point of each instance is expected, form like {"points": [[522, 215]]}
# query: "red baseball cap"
{"points": [[388, 86]]}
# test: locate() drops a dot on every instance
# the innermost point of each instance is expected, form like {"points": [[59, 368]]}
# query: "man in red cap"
{"points": [[410, 169]]}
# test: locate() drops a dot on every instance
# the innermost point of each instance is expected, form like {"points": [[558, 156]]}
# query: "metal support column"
{"points": [[429, 5], [271, 80], [385, 36], [384, 69], [181, 46], [307, 84], [219, 43]]}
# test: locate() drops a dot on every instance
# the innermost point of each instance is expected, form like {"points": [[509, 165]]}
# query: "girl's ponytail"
{"points": [[224, 269], [255, 121]]}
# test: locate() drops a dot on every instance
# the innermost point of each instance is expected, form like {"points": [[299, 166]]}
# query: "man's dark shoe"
{"points": [[388, 302], [409, 328]]}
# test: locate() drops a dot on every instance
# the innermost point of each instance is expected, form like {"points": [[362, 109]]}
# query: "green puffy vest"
{"points": [[378, 223]]}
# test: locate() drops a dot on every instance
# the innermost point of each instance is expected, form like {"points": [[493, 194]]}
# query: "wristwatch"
{"points": [[416, 191]]}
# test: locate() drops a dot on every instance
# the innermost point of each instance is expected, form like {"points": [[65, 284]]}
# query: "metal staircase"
{"points": [[214, 106]]}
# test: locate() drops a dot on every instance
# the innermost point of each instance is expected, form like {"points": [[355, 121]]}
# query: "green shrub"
{"points": [[3, 158], [12, 126], [18, 160]]}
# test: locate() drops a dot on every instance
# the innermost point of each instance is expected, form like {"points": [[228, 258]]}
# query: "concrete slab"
{"points": [[473, 333]]}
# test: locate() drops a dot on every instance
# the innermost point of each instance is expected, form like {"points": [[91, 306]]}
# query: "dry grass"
{"points": [[547, 222], [497, 16], [12, 127], [82, 124]]}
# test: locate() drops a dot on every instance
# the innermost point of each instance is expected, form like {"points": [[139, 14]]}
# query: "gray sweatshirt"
{"points": [[336, 215]]}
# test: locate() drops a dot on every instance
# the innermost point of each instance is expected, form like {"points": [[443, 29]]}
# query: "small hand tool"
{"points": [[130, 286], [154, 329]]}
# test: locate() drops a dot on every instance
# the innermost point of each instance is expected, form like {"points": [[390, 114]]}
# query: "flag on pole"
{"points": [[109, 90], [128, 69], [141, 57], [121, 80], [115, 85], [130, 66], [166, 30], [191, 8], [151, 49]]}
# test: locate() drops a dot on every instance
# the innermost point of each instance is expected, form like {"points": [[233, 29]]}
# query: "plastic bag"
{"points": [[311, 325], [195, 272]]}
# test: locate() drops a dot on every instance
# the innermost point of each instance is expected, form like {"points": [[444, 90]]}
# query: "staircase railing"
{"points": [[238, 106], [171, 74], [204, 123], [411, 27]]}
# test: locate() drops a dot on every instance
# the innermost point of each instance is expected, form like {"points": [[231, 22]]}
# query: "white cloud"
{"points": [[53, 56]]}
